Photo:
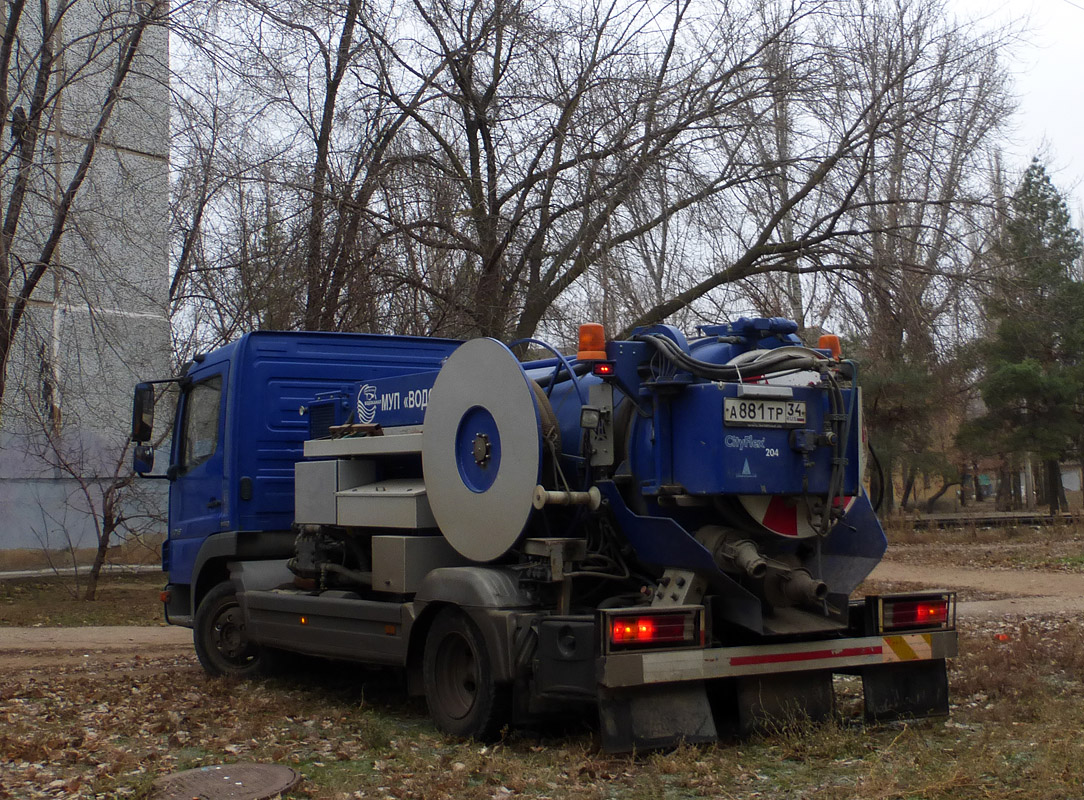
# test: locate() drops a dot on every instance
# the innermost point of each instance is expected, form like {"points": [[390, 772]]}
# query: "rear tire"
{"points": [[463, 698], [220, 638]]}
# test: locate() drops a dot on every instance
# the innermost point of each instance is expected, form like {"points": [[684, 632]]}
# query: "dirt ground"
{"points": [[28, 648]]}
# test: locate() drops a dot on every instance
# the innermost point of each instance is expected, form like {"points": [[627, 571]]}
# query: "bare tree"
{"points": [[492, 167], [552, 129], [39, 63], [82, 258], [912, 301], [105, 500]]}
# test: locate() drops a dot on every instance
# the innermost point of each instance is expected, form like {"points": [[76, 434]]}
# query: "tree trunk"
{"points": [[889, 490], [105, 534], [908, 487], [1054, 491], [944, 488], [96, 567], [1029, 482], [1005, 486]]}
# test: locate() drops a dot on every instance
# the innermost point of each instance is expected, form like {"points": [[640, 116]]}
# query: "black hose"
{"points": [[766, 365], [879, 495], [835, 479], [581, 368], [355, 576]]}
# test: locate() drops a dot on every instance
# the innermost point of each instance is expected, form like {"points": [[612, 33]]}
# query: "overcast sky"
{"points": [[1049, 70]]}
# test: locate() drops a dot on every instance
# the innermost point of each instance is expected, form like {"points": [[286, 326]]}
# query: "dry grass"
{"points": [[900, 531], [106, 730], [122, 599], [1055, 547], [1017, 661]]}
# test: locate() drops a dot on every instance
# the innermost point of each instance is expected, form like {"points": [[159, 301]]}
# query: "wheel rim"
{"points": [[457, 676], [228, 636]]}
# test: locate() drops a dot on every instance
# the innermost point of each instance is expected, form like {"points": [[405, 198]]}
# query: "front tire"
{"points": [[220, 638], [463, 698]]}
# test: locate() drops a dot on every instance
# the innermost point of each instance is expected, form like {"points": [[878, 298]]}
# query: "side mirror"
{"points": [[143, 416], [143, 459]]}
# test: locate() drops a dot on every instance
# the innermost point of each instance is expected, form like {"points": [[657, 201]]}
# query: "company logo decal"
{"points": [[745, 442], [367, 404]]}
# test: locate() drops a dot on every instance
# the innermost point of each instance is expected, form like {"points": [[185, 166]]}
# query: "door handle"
{"points": [[214, 502]]}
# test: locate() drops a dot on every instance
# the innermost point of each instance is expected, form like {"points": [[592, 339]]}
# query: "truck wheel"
{"points": [[219, 635], [462, 696]]}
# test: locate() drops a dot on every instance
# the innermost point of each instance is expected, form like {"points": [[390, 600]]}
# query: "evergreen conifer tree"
{"points": [[1033, 362]]}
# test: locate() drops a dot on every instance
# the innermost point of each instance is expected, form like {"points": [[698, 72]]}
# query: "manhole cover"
{"points": [[227, 782]]}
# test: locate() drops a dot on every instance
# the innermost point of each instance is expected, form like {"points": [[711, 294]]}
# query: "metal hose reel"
{"points": [[482, 449]]}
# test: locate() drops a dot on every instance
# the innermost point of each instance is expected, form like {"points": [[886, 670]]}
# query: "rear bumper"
{"points": [[624, 670]]}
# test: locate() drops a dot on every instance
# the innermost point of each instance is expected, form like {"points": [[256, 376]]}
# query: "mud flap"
{"points": [[906, 690], [655, 717], [764, 704]]}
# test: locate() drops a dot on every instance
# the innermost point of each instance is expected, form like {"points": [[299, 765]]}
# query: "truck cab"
{"points": [[241, 420]]}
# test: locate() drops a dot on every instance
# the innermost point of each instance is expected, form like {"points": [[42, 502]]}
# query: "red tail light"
{"points": [[604, 369], [669, 629], [929, 611]]}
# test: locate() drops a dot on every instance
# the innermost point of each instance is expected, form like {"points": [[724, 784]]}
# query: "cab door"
{"points": [[196, 499]]}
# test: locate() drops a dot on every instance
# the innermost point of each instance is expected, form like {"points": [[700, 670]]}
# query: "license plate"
{"points": [[745, 412]]}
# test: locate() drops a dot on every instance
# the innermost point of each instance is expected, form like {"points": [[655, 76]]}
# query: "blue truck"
{"points": [[667, 529]]}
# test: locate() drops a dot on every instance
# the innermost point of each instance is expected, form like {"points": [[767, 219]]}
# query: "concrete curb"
{"points": [[110, 569]]}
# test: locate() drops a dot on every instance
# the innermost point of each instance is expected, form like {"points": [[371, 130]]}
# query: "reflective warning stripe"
{"points": [[911, 647], [626, 669], [810, 655]]}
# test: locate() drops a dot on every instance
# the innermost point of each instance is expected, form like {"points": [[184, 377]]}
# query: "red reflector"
{"points": [[915, 613], [656, 629], [603, 368]]}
